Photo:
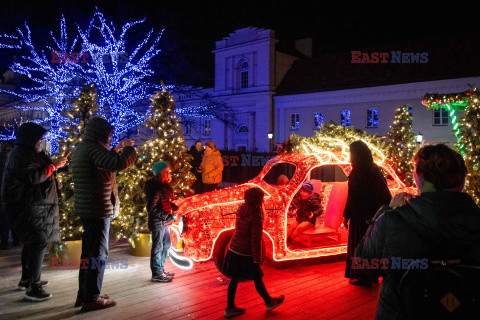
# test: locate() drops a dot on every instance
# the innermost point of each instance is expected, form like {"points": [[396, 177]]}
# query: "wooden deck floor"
{"points": [[312, 291]]}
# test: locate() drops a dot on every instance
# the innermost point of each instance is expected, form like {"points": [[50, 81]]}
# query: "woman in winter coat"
{"points": [[441, 222], [30, 200], [244, 257], [211, 167], [367, 192]]}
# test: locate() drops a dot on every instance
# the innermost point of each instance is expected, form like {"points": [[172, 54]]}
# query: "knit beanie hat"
{"points": [[307, 186], [254, 196], [159, 166]]}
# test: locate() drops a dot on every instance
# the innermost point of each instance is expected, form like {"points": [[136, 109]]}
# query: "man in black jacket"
{"points": [[30, 200], [197, 152], [160, 215], [96, 201]]}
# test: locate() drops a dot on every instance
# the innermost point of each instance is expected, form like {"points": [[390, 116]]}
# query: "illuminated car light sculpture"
{"points": [[208, 220]]}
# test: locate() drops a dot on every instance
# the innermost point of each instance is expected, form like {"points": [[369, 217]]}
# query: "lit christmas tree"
{"points": [[84, 108], [402, 145], [467, 131], [167, 144]]}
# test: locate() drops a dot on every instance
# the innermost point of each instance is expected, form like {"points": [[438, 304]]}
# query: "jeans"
{"points": [[160, 247], [95, 249], [32, 259]]}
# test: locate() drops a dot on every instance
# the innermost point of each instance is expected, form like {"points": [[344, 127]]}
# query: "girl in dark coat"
{"points": [[30, 200], [367, 192], [244, 257]]}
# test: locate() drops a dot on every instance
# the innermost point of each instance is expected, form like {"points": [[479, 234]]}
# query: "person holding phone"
{"points": [[94, 169], [30, 200]]}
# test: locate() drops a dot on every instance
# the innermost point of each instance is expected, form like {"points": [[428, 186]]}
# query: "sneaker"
{"points": [[230, 313], [275, 302], [79, 301], [23, 284], [37, 294], [161, 278], [98, 304], [169, 274]]}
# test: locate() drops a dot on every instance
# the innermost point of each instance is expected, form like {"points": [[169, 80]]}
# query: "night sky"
{"points": [[192, 27]]}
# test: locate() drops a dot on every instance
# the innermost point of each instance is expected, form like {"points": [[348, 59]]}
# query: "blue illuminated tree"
{"points": [[120, 77], [99, 58], [53, 78]]}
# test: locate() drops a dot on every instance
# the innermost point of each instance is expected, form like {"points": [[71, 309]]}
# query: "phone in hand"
{"points": [[67, 153]]}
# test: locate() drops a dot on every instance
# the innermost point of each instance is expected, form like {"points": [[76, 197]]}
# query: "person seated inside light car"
{"points": [[309, 208], [282, 180]]}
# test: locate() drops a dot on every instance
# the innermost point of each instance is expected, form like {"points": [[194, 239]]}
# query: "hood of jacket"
{"points": [[98, 129], [246, 210], [450, 220], [29, 133], [215, 153]]}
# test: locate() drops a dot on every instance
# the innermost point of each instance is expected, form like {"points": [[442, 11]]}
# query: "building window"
{"points": [[295, 121], [372, 118], [207, 126], [243, 129], [345, 118], [188, 127], [440, 117], [317, 120], [244, 75]]}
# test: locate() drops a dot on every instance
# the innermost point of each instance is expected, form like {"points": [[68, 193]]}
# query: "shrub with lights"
{"points": [[167, 144], [466, 128]]}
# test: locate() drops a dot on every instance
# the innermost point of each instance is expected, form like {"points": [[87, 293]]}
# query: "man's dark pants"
{"points": [[32, 259], [95, 249], [160, 247]]}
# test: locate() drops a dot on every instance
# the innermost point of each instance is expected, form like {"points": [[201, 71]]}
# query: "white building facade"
{"points": [[249, 70]]}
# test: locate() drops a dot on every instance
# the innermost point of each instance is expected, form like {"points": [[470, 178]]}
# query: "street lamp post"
{"points": [[419, 138], [270, 137]]}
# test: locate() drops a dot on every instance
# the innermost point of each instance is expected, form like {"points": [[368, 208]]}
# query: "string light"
{"points": [[466, 129], [119, 78], [52, 83]]}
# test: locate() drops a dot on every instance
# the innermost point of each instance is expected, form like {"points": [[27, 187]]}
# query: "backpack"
{"points": [[447, 289]]}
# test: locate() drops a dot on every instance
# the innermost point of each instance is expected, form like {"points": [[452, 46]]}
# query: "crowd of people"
{"points": [[441, 221]]}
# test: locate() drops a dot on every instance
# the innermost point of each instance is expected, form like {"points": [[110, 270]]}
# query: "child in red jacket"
{"points": [[244, 257]]}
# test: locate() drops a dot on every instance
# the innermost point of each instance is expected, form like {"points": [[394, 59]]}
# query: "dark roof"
{"points": [[330, 72]]}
